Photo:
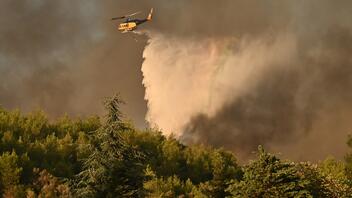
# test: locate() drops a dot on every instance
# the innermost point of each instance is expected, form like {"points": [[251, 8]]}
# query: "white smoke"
{"points": [[184, 77]]}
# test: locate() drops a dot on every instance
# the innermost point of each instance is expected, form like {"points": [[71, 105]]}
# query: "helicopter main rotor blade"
{"points": [[133, 14], [116, 18], [122, 17]]}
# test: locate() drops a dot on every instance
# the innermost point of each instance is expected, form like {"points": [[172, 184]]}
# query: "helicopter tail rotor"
{"points": [[150, 16]]}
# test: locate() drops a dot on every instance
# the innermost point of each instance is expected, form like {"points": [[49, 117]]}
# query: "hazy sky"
{"points": [[66, 56], [232, 73]]}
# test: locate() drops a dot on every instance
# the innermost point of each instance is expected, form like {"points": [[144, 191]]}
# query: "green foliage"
{"points": [[223, 168], [51, 146], [336, 177], [34, 142], [48, 186], [335, 168], [348, 159], [211, 169], [270, 177], [9, 172], [169, 187], [89, 158], [113, 168]]}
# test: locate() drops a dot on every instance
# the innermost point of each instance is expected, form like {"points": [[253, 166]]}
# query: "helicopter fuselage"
{"points": [[130, 25]]}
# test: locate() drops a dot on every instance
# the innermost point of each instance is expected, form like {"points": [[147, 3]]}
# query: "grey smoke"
{"points": [[287, 105], [65, 57], [284, 82], [229, 73], [38, 42], [301, 111]]}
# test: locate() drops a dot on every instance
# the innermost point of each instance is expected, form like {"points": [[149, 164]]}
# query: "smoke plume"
{"points": [[282, 80], [230, 73]]}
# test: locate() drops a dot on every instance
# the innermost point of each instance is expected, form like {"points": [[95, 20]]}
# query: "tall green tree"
{"points": [[113, 169], [270, 177], [10, 172]]}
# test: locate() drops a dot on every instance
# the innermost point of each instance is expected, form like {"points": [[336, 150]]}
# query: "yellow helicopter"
{"points": [[129, 24]]}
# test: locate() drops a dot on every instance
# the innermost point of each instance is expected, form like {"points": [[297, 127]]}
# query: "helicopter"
{"points": [[129, 25]]}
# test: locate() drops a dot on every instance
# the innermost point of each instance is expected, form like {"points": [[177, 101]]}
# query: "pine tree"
{"points": [[271, 177], [113, 169]]}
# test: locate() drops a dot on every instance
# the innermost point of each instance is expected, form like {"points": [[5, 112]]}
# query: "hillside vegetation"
{"points": [[108, 157]]}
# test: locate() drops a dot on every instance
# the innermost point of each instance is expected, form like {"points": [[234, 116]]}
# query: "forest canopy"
{"points": [[109, 157]]}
